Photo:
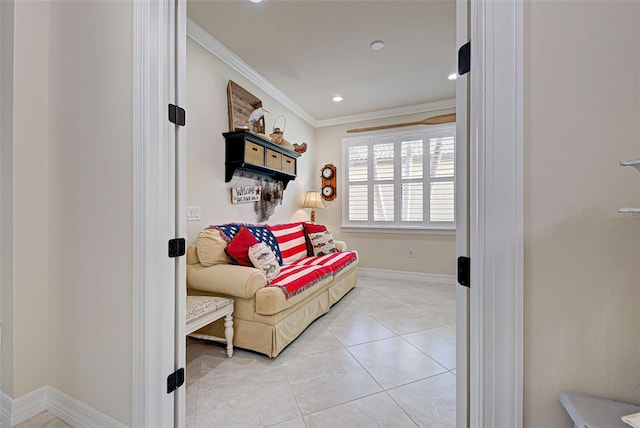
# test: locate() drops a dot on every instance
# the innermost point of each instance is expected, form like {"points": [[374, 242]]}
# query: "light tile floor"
{"points": [[43, 420], [384, 356]]}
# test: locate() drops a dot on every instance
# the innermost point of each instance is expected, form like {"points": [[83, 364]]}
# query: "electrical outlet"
{"points": [[410, 252], [193, 213]]}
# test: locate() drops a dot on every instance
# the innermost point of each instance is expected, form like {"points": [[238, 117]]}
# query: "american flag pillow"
{"points": [[291, 241], [261, 233]]}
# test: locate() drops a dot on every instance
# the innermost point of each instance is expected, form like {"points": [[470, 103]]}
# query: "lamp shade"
{"points": [[312, 200]]}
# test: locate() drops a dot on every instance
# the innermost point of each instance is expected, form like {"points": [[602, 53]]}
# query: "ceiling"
{"points": [[312, 50]]}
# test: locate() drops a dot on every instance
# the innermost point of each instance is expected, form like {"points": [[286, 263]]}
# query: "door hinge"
{"points": [[177, 247], [464, 271], [175, 380], [177, 115], [464, 58]]}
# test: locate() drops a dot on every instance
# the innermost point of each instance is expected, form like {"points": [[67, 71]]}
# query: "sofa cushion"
{"points": [[263, 258], [310, 228], [294, 279], [335, 262], [231, 280], [210, 247], [261, 233], [272, 306], [291, 241], [322, 243], [238, 248]]}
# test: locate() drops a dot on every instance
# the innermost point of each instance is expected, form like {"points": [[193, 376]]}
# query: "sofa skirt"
{"points": [[270, 334]]}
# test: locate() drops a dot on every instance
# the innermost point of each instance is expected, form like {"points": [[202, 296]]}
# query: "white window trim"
{"points": [[399, 230], [431, 228]]}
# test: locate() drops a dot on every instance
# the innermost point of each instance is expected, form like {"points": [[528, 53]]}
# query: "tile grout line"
{"points": [[293, 394], [353, 305], [427, 355], [402, 408]]}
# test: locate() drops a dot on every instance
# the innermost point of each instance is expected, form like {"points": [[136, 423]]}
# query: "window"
{"points": [[404, 180]]}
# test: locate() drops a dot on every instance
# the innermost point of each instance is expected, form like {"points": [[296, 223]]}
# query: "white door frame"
{"points": [[496, 213], [462, 220], [180, 144], [153, 215]]}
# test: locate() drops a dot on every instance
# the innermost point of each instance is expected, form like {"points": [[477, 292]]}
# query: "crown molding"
{"points": [[381, 114], [213, 45], [216, 48]]}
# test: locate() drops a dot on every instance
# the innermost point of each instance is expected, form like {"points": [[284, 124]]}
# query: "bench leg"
{"points": [[228, 334]]}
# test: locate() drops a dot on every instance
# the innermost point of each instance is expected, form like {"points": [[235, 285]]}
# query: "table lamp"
{"points": [[312, 200]]}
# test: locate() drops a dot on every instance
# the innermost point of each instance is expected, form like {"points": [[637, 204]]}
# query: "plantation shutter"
{"points": [[402, 180], [412, 186], [441, 159], [358, 188], [383, 186]]}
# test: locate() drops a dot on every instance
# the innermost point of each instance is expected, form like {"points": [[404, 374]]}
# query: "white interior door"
{"points": [[462, 222]]}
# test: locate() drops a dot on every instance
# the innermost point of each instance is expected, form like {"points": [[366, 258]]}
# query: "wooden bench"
{"points": [[203, 310]]}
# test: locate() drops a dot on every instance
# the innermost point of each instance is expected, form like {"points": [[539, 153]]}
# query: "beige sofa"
{"points": [[264, 320]]}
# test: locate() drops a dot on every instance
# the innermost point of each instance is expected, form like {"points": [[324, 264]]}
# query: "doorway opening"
{"points": [[218, 73]]}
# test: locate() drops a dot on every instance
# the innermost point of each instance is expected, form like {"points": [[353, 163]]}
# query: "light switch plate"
{"points": [[193, 213]]}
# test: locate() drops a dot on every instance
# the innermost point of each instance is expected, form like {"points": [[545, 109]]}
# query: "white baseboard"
{"points": [[72, 411], [410, 276], [76, 413], [5, 410], [28, 405]]}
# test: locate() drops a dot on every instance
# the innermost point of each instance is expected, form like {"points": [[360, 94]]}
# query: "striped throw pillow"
{"points": [[291, 241]]}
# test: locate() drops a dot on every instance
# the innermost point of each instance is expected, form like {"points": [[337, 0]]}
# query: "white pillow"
{"points": [[263, 258], [322, 243]]}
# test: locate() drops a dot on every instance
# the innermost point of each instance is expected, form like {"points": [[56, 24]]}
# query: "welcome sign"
{"points": [[244, 194]]}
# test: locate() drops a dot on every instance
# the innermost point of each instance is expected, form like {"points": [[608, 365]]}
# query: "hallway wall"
{"points": [[582, 258]]}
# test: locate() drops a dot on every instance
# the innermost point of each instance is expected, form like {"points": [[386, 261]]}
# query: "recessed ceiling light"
{"points": [[377, 45], [256, 1], [337, 98], [453, 76]]}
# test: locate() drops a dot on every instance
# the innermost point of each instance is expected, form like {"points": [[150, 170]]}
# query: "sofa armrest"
{"points": [[340, 245], [232, 280]]}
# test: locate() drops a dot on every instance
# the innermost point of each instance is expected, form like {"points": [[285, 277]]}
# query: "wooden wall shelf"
{"points": [[252, 156]]}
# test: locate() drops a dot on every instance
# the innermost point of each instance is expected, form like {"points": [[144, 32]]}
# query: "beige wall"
{"points": [[433, 253], [207, 118], [6, 194], [30, 198], [582, 260], [90, 203], [67, 201]]}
